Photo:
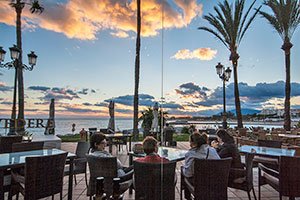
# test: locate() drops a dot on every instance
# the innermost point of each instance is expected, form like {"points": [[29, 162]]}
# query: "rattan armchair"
{"points": [[285, 181], [210, 179], [106, 167], [269, 162], [154, 181], [247, 185], [7, 141], [80, 162], [43, 176]]}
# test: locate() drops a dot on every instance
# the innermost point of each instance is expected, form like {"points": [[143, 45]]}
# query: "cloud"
{"points": [[84, 91], [4, 88], [80, 110], [201, 54], [187, 90], [251, 96], [83, 19], [6, 103], [39, 88], [87, 104], [144, 100]]}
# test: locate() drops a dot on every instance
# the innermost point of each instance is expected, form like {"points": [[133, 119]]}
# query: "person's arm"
{"points": [[188, 167]]}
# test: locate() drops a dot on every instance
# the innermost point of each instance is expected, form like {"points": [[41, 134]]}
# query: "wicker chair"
{"points": [[247, 185], [7, 141], [43, 176], [286, 181], [153, 181], [80, 161], [269, 162], [107, 168], [210, 179], [27, 146]]}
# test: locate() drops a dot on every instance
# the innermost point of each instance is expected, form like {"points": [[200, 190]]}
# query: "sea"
{"points": [[64, 126]]}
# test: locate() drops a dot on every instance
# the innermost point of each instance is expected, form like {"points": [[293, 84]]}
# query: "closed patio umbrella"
{"points": [[154, 126], [50, 127], [111, 123]]}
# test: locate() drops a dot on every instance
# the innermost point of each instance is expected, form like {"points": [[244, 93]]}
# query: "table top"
{"points": [[171, 154], [291, 136], [267, 151], [18, 158]]}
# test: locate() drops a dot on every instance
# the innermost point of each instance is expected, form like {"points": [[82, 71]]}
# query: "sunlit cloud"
{"points": [[201, 54], [83, 19]]}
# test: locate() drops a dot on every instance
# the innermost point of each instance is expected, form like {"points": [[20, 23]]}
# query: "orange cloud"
{"points": [[83, 19], [201, 54]]}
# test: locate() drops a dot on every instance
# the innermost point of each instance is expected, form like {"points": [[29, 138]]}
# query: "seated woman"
{"points": [[227, 148], [199, 149], [98, 144], [150, 148]]}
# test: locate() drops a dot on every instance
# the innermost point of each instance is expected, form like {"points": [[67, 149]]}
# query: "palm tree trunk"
{"points": [[236, 91], [287, 104], [19, 7], [137, 72]]}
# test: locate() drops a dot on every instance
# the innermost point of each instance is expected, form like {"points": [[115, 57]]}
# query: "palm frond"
{"points": [[36, 7], [215, 34], [285, 18], [244, 19], [248, 25]]}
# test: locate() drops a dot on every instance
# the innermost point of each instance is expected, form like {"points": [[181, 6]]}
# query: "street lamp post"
{"points": [[224, 75], [15, 55]]}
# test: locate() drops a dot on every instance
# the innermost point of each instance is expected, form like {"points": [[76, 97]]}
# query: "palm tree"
{"points": [[34, 8], [137, 73], [229, 26], [285, 20]]}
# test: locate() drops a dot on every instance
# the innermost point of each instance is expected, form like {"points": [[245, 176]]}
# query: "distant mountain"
{"points": [[246, 111]]}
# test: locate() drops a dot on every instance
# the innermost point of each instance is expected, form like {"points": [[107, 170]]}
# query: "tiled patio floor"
{"points": [[79, 190]]}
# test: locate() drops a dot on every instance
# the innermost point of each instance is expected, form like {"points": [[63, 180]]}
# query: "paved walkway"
{"points": [[79, 190]]}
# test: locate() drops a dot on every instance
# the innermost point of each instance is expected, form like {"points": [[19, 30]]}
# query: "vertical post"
{"points": [[12, 129], [224, 103]]}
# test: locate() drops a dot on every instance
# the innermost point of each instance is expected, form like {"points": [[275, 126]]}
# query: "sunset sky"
{"points": [[86, 54]]}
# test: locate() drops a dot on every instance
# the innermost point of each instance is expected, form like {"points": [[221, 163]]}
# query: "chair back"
{"points": [[154, 181], [289, 176], [101, 166], [211, 178], [82, 149], [269, 143], [92, 131], [27, 146], [44, 175], [7, 141]]}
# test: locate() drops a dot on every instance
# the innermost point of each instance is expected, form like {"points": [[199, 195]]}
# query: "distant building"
{"points": [[279, 112]]}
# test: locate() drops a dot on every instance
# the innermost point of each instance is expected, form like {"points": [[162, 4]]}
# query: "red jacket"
{"points": [[152, 158]]}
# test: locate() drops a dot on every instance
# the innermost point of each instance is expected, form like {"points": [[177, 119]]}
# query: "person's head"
{"points": [[98, 141], [197, 140], [223, 136], [205, 136], [150, 145]]}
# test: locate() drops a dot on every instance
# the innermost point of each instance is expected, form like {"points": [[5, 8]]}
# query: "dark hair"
{"points": [[224, 135], [149, 144], [96, 138], [198, 139]]}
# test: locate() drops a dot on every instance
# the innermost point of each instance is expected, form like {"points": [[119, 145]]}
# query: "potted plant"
{"points": [[27, 136]]}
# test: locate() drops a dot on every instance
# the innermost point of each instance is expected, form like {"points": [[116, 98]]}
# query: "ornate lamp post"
{"points": [[224, 76], [15, 55]]}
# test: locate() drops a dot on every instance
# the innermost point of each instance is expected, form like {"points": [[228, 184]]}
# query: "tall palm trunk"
{"points": [[234, 59], [286, 47], [19, 7], [137, 72]]}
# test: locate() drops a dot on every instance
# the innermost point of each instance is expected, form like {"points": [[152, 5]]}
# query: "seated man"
{"points": [[151, 148], [98, 144]]}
